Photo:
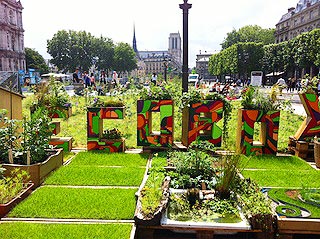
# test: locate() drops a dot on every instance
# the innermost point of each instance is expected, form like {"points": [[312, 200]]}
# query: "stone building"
{"points": [[150, 62], [12, 56], [202, 65], [305, 17]]}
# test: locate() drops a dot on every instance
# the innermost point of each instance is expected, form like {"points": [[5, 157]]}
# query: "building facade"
{"points": [[202, 65], [12, 55], [158, 62], [304, 18]]}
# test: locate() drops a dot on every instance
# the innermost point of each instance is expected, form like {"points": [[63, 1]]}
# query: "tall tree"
{"points": [[250, 33], [103, 53], [124, 58], [36, 61]]}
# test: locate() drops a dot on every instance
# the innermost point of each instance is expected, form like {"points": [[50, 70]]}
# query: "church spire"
{"points": [[134, 42]]}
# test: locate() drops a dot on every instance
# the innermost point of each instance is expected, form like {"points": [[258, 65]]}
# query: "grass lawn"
{"points": [[96, 176], [79, 203], [58, 231], [272, 171], [97, 158]]}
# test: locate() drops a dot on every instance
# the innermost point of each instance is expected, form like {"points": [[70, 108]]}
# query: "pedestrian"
{"points": [[103, 77], [154, 79], [92, 80], [75, 76], [86, 79]]}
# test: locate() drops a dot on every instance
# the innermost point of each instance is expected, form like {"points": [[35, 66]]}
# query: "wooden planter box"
{"points": [[155, 219], [268, 143], [298, 226], [5, 208], [39, 171], [310, 127], [60, 112], [199, 121], [95, 117], [64, 143], [145, 134]]}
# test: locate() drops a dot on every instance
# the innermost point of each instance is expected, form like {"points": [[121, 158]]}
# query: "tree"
{"points": [[103, 53], [249, 34], [36, 61], [72, 49], [124, 58]]}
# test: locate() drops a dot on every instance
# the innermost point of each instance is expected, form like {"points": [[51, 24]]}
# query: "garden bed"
{"points": [[58, 231], [5, 208], [39, 171], [77, 203]]}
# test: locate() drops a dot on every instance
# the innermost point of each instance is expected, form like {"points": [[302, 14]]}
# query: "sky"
{"points": [[154, 20]]}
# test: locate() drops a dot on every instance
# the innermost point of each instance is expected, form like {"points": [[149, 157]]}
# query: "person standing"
{"points": [[92, 80], [86, 79], [154, 79], [75, 76]]}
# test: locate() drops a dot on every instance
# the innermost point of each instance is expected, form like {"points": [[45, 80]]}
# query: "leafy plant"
{"points": [[11, 186], [309, 85], [254, 99], [100, 102], [112, 134], [165, 92], [51, 94], [36, 135]]}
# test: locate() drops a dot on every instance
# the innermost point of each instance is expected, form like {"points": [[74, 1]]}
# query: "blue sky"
{"points": [[209, 20]]}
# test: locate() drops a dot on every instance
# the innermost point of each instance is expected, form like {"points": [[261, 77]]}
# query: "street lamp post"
{"points": [[185, 10]]}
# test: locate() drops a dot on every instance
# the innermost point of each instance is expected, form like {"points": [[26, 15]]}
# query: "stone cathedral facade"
{"points": [[12, 55]]}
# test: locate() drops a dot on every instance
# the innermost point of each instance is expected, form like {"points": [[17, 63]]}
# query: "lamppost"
{"points": [[185, 10]]}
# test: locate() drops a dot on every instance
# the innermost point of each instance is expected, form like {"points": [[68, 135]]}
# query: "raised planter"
{"points": [[199, 121], [39, 171], [60, 112], [268, 143], [95, 117], [145, 134], [310, 127], [155, 219], [5, 208]]}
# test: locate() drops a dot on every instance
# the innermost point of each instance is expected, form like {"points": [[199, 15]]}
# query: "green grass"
{"points": [[281, 194], [80, 203], [67, 155], [96, 176], [97, 158], [58, 231], [284, 178], [272, 171], [275, 162]]}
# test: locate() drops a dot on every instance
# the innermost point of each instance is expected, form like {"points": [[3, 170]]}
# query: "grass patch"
{"points": [[96, 176], [274, 162], [98, 158], [280, 194], [80, 203], [67, 155], [284, 178], [159, 160], [58, 231]]}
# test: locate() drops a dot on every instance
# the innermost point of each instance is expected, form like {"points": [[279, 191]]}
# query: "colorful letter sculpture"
{"points": [[268, 143], [145, 136], [200, 122], [60, 142], [60, 112], [311, 125], [95, 118]]}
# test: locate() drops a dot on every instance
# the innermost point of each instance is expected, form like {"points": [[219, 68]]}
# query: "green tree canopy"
{"points": [[250, 33], [36, 61], [124, 58]]}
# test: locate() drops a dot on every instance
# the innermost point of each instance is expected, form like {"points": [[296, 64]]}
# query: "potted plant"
{"points": [[52, 96], [201, 112], [26, 146], [155, 99], [258, 107], [97, 111], [13, 189]]}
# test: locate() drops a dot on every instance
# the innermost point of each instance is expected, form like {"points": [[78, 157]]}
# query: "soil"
{"points": [[294, 194]]}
